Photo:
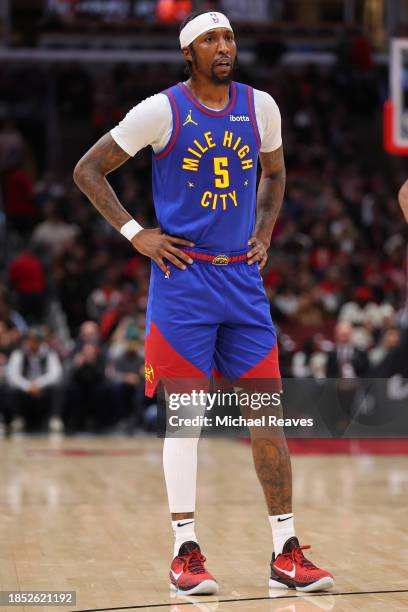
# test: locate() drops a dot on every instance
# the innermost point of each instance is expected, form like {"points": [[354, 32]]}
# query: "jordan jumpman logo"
{"points": [[190, 119]]}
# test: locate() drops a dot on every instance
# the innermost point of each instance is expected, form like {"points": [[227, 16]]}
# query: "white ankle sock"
{"points": [[183, 532], [282, 529]]}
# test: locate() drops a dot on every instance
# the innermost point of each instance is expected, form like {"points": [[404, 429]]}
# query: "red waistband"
{"points": [[217, 260]]}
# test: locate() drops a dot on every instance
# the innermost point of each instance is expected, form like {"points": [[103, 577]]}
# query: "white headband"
{"points": [[201, 24]]}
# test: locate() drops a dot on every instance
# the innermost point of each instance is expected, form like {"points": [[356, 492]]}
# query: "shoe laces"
{"points": [[296, 555], [194, 563]]}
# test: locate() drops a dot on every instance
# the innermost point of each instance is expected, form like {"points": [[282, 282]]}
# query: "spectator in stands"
{"points": [[18, 190], [107, 295], [345, 360], [311, 360], [88, 399], [54, 233], [126, 372], [88, 333], [310, 310], [389, 341], [118, 341], [27, 280], [345, 365], [34, 374], [126, 307], [74, 282]]}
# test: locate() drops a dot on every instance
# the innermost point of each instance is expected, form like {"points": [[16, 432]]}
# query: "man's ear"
{"points": [[187, 54]]}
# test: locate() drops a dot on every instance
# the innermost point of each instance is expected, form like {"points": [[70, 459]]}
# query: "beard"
{"points": [[223, 80]]}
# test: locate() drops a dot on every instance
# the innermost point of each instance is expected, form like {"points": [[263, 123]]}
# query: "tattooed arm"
{"points": [[269, 201], [90, 176]]}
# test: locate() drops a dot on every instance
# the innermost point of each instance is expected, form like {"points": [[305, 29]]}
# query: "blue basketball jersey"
{"points": [[204, 181]]}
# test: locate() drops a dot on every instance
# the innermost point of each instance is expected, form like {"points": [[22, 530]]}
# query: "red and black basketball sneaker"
{"points": [[292, 570], [188, 575]]}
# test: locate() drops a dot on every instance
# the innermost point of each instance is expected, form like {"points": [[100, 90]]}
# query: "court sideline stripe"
{"points": [[189, 603]]}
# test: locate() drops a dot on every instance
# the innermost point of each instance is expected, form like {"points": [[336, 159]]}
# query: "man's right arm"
{"points": [[90, 176]]}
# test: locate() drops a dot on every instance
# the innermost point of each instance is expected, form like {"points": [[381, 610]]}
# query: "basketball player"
{"points": [[207, 306]]}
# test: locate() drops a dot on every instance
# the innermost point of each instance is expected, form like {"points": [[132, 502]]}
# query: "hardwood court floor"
{"points": [[90, 515]]}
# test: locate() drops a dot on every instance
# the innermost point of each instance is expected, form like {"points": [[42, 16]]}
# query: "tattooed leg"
{"points": [[272, 464]]}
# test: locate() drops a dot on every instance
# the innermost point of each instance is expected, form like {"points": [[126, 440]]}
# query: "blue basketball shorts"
{"points": [[212, 319]]}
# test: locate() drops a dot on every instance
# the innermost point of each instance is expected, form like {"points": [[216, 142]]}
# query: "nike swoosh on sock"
{"points": [[280, 520]]}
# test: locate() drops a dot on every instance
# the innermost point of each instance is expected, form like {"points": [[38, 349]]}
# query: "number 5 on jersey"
{"points": [[221, 172]]}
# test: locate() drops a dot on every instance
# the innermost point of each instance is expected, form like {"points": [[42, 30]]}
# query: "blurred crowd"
{"points": [[90, 388], [73, 292]]}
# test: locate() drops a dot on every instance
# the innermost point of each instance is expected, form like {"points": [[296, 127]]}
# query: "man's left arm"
{"points": [[268, 204]]}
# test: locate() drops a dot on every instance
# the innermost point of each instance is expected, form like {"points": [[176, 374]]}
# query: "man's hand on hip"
{"points": [[158, 246], [258, 252]]}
